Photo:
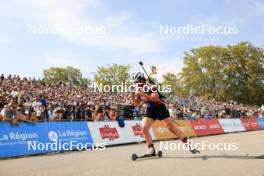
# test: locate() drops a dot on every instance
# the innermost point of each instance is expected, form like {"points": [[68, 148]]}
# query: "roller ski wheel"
{"points": [[135, 156], [194, 151]]}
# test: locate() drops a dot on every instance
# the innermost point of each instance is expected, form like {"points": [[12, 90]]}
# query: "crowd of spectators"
{"points": [[31, 100], [28, 99], [196, 108]]}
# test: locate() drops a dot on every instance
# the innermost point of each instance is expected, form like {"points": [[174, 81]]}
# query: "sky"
{"points": [[120, 31]]}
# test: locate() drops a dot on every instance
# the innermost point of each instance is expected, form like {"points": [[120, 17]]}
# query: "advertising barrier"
{"points": [[28, 139], [232, 125], [186, 127], [107, 132], [135, 131], [206, 127], [161, 132], [260, 122], [250, 124], [110, 133], [42, 137]]}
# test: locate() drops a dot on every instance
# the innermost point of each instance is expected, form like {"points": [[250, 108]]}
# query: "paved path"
{"points": [[116, 161]]}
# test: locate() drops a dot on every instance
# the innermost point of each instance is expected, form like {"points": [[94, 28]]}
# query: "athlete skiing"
{"points": [[156, 110]]}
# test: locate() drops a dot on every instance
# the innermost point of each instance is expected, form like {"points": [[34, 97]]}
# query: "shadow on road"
{"points": [[205, 157], [221, 156]]}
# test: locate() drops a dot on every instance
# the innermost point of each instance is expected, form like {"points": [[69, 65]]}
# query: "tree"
{"points": [[173, 81], [57, 75], [225, 73], [202, 73], [244, 71], [112, 75]]}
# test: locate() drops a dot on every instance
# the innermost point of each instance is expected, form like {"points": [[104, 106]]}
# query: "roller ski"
{"points": [[149, 154], [190, 147]]}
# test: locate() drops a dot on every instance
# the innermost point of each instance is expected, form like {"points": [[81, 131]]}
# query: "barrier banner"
{"points": [[250, 124], [135, 131], [260, 122], [232, 125], [161, 131], [186, 127], [204, 127], [109, 133], [43, 137]]}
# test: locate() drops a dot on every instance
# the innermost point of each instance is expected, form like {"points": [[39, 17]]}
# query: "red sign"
{"points": [[108, 133], [250, 124], [137, 130], [204, 127]]}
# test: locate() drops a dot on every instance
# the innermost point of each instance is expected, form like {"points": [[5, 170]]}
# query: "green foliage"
{"points": [[225, 73], [112, 75], [56, 75], [173, 81]]}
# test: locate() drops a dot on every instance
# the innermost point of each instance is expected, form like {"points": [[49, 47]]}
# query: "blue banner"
{"points": [[261, 122], [43, 137]]}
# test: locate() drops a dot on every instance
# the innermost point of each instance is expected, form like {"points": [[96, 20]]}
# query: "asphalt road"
{"points": [[247, 158]]}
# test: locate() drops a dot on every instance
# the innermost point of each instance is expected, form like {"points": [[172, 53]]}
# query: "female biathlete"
{"points": [[156, 110]]}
